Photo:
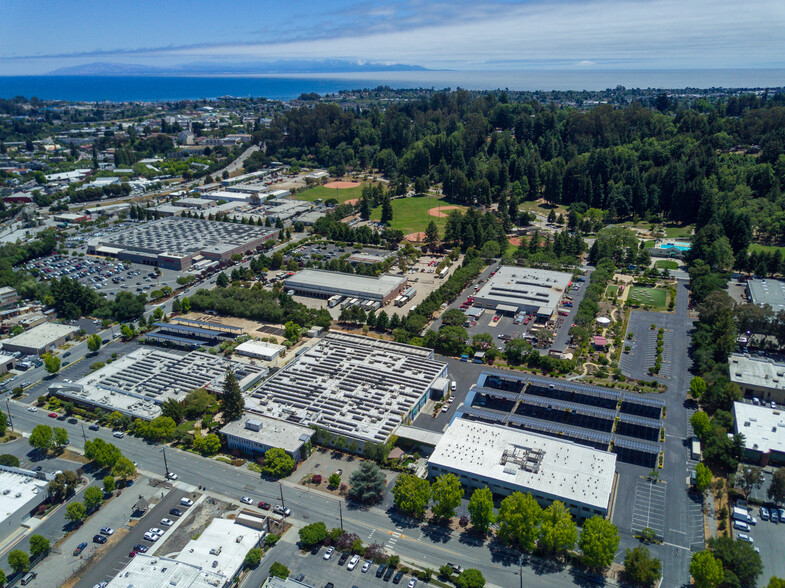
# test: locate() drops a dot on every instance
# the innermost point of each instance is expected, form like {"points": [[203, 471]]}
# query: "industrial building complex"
{"points": [[763, 428], [325, 284], [355, 387], [138, 383], [21, 491], [177, 242], [522, 289], [507, 460]]}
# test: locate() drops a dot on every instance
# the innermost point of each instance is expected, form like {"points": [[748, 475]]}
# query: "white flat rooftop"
{"points": [[571, 472], [151, 571], [523, 286], [763, 427], [272, 432], [16, 490], [42, 335], [221, 547], [763, 372], [324, 280]]}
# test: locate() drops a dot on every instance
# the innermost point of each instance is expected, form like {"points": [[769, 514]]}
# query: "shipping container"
{"points": [[333, 301]]}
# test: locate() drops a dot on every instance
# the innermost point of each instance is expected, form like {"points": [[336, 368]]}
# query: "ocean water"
{"points": [[163, 88]]}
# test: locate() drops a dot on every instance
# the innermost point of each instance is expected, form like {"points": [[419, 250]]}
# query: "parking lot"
{"points": [[769, 538], [105, 277], [649, 506], [317, 571]]}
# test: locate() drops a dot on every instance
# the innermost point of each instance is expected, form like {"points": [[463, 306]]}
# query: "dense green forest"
{"points": [[718, 163]]}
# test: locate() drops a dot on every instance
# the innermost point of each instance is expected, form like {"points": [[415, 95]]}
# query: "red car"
{"points": [[264, 505], [52, 415], [496, 318], [133, 553]]}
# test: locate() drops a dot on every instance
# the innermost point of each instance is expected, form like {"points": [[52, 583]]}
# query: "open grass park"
{"points": [[656, 298], [666, 264], [323, 193]]}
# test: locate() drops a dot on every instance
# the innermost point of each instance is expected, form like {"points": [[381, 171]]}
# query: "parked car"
{"points": [[741, 526], [281, 510], [119, 434], [343, 558], [152, 537], [52, 415], [398, 577], [176, 512], [366, 567], [140, 548], [412, 583], [381, 570], [264, 505], [329, 553], [353, 562], [94, 427], [764, 513], [80, 548], [388, 574], [107, 531], [171, 476], [156, 530], [32, 409], [99, 539], [186, 502], [29, 577], [743, 537], [167, 522], [246, 500]]}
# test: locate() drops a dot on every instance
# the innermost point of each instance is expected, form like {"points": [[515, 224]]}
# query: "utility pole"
{"points": [[84, 435], [166, 465], [340, 513], [8, 408], [280, 487]]}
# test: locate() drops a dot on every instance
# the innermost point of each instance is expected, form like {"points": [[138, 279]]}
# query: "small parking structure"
{"points": [[648, 510]]}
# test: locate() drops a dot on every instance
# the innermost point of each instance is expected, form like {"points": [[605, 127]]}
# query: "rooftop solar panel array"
{"points": [[571, 406], [636, 445], [493, 392], [640, 421]]}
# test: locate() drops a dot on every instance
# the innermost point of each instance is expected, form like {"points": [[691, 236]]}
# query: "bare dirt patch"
{"points": [[515, 241], [340, 185], [416, 237], [195, 523], [351, 201], [442, 211]]}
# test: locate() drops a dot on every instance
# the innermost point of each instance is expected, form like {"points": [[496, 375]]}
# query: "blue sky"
{"points": [[37, 37]]}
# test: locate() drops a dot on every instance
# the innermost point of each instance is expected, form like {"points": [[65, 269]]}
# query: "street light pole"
{"points": [[280, 487], [8, 408], [166, 465], [340, 513], [84, 435]]}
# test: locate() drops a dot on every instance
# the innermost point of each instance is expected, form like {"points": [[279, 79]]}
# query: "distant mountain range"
{"points": [[248, 68]]}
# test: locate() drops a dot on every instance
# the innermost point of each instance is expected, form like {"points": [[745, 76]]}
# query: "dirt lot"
{"points": [[196, 521], [326, 462], [249, 327]]}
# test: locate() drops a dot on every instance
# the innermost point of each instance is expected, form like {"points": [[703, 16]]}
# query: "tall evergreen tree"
{"points": [[233, 403]]}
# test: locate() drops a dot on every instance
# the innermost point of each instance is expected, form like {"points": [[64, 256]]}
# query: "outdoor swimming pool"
{"points": [[679, 246]]}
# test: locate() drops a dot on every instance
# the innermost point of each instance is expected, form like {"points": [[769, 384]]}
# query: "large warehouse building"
{"points": [[41, 339], [358, 388], [508, 460], [324, 284], [523, 289], [177, 242]]}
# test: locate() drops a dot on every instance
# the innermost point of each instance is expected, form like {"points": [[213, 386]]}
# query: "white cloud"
{"points": [[657, 33]]}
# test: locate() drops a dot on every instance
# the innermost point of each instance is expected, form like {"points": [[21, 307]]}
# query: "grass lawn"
{"points": [[678, 231], [340, 194], [649, 244], [654, 297], [667, 264], [410, 215], [765, 248], [611, 291], [542, 208]]}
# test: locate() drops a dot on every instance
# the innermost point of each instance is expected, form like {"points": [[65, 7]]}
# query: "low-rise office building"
{"points": [[355, 387], [507, 460], [325, 284], [8, 297], [763, 428], [41, 339], [254, 434], [758, 377], [522, 289], [21, 491], [260, 350]]}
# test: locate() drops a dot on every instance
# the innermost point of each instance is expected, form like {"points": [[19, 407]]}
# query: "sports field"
{"points": [[412, 214], [340, 194], [666, 264], [654, 297]]}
